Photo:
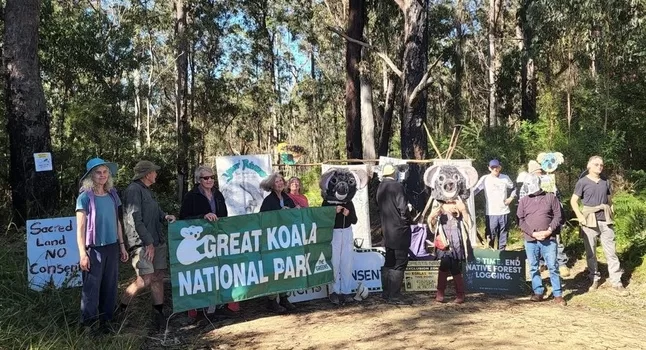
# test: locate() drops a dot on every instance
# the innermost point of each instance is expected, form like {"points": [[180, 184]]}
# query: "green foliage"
{"points": [[44, 320], [310, 181], [630, 230]]}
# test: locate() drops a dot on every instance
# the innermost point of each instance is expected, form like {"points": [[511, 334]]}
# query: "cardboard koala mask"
{"points": [[339, 185], [448, 182]]}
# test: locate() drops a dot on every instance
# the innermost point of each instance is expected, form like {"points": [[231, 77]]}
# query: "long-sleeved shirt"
{"points": [[143, 218], [538, 213], [495, 189]]}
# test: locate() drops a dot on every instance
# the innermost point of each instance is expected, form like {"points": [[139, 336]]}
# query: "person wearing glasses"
{"points": [[205, 201], [596, 223]]}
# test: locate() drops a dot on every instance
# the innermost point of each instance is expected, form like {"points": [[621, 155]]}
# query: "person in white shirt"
{"points": [[496, 188]]}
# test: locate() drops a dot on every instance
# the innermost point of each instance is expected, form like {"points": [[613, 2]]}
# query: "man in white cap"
{"points": [[393, 211], [143, 221], [496, 186]]}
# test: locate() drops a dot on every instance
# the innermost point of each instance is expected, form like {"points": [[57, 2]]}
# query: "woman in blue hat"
{"points": [[100, 241]]}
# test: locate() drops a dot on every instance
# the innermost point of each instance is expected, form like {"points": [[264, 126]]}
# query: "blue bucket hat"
{"points": [[95, 162]]}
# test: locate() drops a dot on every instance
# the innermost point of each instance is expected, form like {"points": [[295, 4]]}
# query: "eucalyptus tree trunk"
{"points": [[367, 116], [414, 143], [353, 145], [387, 119], [528, 81], [28, 123], [492, 62], [181, 105]]}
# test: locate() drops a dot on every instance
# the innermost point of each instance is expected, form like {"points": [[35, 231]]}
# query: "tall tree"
{"points": [[527, 73], [181, 105], [28, 123], [492, 60], [414, 142], [356, 21]]}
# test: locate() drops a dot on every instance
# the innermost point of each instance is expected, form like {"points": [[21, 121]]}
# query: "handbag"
{"points": [[440, 242]]}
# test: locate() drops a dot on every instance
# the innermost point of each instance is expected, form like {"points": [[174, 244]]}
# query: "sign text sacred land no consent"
{"points": [[248, 256]]}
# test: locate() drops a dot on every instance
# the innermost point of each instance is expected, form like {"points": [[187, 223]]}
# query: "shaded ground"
{"points": [[593, 320]]}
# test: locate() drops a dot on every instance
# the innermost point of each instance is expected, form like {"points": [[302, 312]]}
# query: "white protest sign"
{"points": [[52, 253], [360, 230], [239, 180], [366, 268]]}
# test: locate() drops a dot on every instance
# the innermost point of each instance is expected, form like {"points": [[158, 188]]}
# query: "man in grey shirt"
{"points": [[143, 221], [596, 222]]}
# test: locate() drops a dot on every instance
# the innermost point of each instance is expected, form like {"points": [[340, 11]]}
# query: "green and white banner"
{"points": [[247, 256]]}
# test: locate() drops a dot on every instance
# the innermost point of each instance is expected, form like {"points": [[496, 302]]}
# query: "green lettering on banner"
{"points": [[496, 272], [247, 256]]}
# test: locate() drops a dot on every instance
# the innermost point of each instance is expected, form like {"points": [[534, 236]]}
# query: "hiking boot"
{"points": [[536, 297], [385, 292], [564, 271], [334, 299], [560, 301], [594, 285], [441, 286], [620, 290], [459, 288], [274, 307], [348, 298], [284, 302]]}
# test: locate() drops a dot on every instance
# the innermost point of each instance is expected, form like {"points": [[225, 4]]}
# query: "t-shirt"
{"points": [[105, 224], [495, 189], [593, 193]]}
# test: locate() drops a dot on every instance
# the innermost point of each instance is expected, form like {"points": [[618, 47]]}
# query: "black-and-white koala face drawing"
{"points": [[448, 182], [339, 185]]}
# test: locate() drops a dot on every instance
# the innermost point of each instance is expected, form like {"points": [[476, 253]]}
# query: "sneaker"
{"points": [[334, 298], [273, 306], [536, 297], [560, 301], [564, 271], [594, 285], [620, 290], [284, 302]]}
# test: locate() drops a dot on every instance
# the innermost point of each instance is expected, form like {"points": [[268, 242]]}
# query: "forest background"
{"points": [[180, 82]]}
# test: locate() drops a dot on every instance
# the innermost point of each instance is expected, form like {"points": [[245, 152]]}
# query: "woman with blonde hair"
{"points": [[295, 192], [277, 200], [100, 242]]}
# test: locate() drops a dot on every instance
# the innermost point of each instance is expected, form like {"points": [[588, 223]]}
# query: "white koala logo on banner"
{"points": [[187, 252]]}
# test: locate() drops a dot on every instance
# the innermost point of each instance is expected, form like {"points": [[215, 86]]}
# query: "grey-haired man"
{"points": [[143, 221]]}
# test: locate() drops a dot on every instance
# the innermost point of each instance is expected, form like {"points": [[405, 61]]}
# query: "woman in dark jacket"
{"points": [[205, 201], [277, 200]]}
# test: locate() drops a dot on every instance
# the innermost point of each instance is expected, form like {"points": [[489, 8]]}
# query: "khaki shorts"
{"points": [[145, 267]]}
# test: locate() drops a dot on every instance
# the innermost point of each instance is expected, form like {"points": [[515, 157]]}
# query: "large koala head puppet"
{"points": [[550, 161], [448, 182], [339, 185]]}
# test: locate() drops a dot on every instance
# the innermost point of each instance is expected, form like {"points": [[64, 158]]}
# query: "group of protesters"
{"points": [[102, 244]]}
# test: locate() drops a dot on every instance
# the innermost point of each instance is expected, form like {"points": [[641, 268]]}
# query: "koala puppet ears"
{"points": [[468, 172], [556, 155], [360, 176]]}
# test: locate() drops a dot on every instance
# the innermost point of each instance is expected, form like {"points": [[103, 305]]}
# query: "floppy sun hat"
{"points": [[388, 170], [95, 162]]}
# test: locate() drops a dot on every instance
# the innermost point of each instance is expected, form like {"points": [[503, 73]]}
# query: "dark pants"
{"points": [[450, 264], [99, 293], [396, 259], [496, 227]]}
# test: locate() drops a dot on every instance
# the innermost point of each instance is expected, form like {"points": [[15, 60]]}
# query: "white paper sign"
{"points": [[360, 230], [52, 253], [43, 161], [318, 292], [239, 179], [366, 268]]}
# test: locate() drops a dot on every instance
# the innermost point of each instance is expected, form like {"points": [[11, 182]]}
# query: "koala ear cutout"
{"points": [[429, 174], [402, 168], [559, 157], [361, 176], [541, 157], [470, 174], [325, 178]]}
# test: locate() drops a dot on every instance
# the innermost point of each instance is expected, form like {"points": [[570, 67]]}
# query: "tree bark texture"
{"points": [[414, 142], [528, 84], [387, 121], [458, 62], [34, 194], [492, 62], [181, 105], [367, 117], [352, 84]]}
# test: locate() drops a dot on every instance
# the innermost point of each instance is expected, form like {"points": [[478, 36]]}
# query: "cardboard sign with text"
{"points": [[496, 272], [421, 276], [52, 253]]}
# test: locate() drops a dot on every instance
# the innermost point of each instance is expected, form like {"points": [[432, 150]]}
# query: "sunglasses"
{"points": [[212, 177]]}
